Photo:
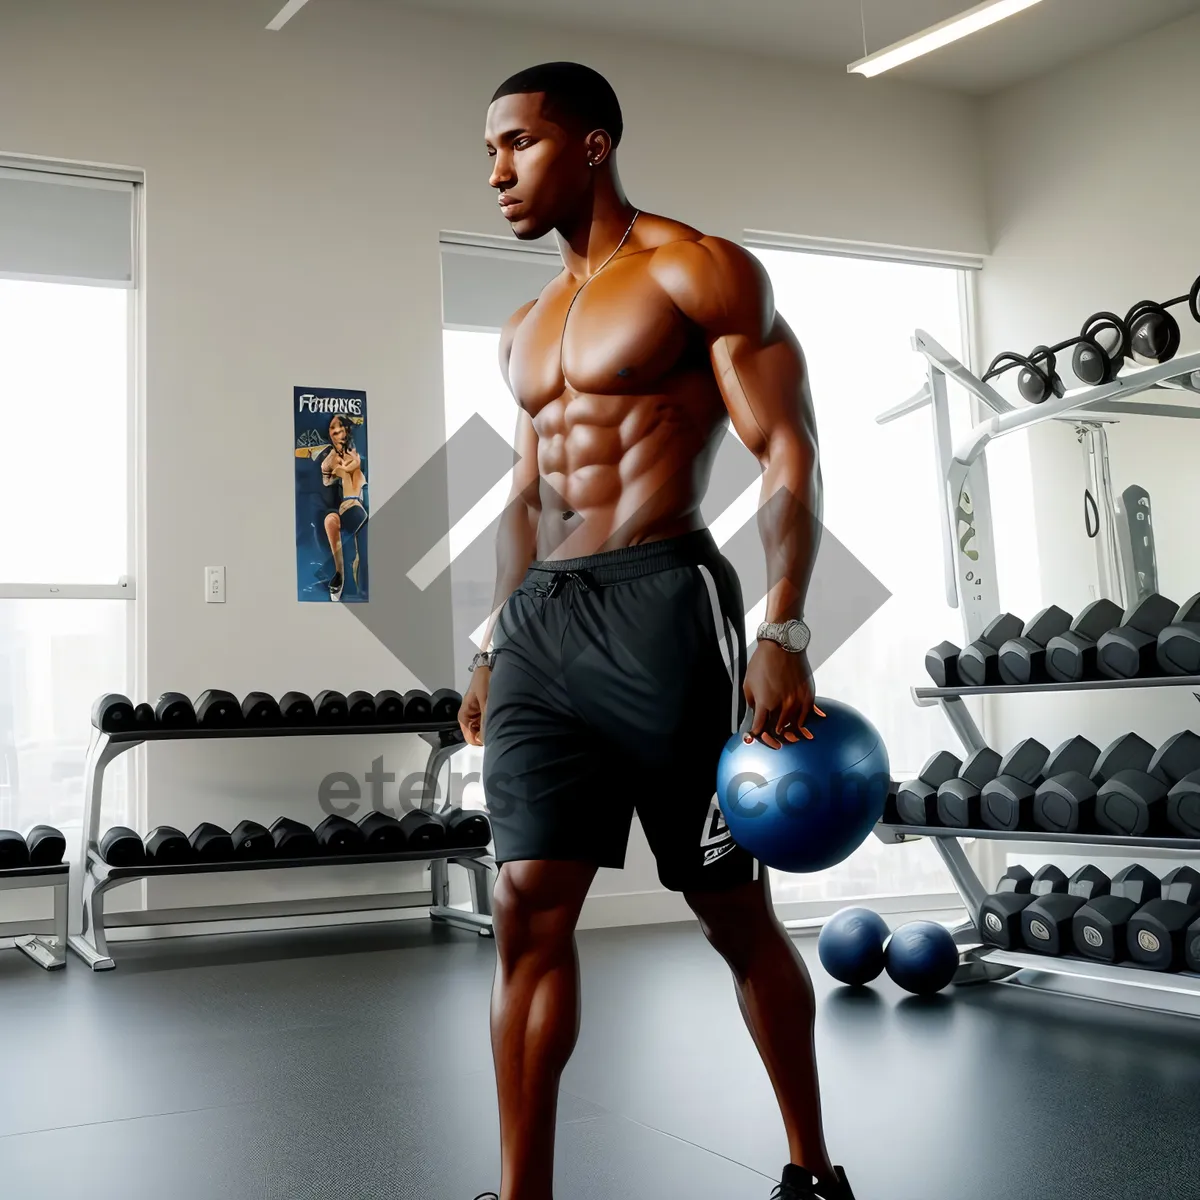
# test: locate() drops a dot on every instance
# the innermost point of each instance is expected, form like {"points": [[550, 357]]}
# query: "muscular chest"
{"points": [[618, 334]]}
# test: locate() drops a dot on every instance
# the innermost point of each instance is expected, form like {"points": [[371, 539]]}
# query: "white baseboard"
{"points": [[634, 908]]}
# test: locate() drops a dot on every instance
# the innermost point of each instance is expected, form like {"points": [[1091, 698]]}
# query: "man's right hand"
{"points": [[473, 710]]}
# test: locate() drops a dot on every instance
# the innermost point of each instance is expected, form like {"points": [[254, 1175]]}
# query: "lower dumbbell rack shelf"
{"points": [[983, 963], [444, 740], [1123, 974], [47, 943], [1180, 845]]}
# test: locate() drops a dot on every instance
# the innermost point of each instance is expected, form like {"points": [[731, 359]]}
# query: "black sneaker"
{"points": [[335, 587], [799, 1184]]}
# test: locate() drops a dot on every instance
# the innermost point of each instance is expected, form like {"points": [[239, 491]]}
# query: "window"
{"points": [[854, 318], [66, 332]]}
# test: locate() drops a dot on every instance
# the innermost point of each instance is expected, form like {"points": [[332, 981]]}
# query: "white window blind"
{"points": [[484, 283], [66, 228]]}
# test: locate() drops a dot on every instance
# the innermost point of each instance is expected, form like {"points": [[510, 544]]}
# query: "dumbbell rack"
{"points": [[47, 949], [982, 963], [444, 740]]}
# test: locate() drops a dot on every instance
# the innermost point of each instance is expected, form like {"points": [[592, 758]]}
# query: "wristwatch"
{"points": [[483, 658], [793, 635]]}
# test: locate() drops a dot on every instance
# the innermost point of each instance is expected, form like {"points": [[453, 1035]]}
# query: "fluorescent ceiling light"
{"points": [[286, 13], [937, 36]]}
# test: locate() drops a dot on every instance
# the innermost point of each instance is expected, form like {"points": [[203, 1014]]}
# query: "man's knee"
{"points": [[535, 907], [734, 921]]}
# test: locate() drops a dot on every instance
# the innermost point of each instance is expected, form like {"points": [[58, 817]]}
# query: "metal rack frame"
{"points": [[98, 878], [47, 943], [971, 586]]}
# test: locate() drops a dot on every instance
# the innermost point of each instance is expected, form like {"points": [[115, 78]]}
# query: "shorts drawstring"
{"points": [[582, 578]]}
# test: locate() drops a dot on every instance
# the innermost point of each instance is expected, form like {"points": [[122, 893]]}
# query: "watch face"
{"points": [[797, 637]]}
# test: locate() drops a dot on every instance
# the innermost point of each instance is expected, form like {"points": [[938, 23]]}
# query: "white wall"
{"points": [[296, 184], [1092, 183]]}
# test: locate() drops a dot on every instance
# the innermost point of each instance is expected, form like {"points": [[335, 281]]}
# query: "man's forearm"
{"points": [[516, 547], [789, 523]]}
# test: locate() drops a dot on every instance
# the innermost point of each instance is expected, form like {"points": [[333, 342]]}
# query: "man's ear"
{"points": [[599, 146]]}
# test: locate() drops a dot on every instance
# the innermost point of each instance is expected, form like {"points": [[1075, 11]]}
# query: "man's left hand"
{"points": [[779, 684]]}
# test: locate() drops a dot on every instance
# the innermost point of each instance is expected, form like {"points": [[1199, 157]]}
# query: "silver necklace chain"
{"points": [[624, 238]]}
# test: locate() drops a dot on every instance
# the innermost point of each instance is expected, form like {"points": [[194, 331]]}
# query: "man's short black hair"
{"points": [[573, 92]]}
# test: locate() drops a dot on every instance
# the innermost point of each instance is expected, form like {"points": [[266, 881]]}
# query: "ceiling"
{"points": [[830, 32]]}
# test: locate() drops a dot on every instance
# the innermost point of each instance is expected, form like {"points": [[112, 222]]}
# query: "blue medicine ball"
{"points": [[810, 804], [851, 945], [921, 957]]}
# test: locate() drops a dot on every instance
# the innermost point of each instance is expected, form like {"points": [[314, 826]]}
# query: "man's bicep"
{"points": [[764, 383]]}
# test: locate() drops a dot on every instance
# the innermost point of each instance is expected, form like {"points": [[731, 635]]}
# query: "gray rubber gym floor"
{"points": [[355, 1064]]}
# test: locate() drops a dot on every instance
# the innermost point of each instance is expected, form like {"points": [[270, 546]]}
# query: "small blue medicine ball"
{"points": [[921, 957], [810, 804], [851, 945]]}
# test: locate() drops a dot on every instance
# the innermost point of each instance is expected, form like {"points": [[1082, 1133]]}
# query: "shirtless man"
{"points": [[613, 669], [343, 465]]}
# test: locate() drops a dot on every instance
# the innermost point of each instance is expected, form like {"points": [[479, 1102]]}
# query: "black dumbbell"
{"points": [[444, 705], [958, 798], [298, 710], [891, 813], [293, 839], [173, 710], [1178, 650], [1023, 659], [14, 850], [1000, 913], [979, 663], [1006, 802], [113, 713], [361, 706], [336, 835], [1066, 801], [1183, 806], [1071, 656], [167, 846], [383, 834], [467, 828], [46, 846], [423, 830], [210, 843], [916, 799], [1131, 650], [217, 709], [1046, 923], [389, 708], [1100, 928], [121, 847], [418, 707], [252, 840], [332, 707], [262, 711], [1157, 931], [942, 664], [1176, 758], [143, 716], [1191, 953], [1136, 803]]}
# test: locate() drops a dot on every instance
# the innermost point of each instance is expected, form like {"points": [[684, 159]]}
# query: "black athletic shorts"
{"points": [[617, 682]]}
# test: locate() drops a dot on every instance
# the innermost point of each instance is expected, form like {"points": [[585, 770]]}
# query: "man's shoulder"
{"points": [[687, 253]]}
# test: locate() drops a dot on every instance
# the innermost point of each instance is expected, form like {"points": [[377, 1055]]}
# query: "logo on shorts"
{"points": [[714, 852], [715, 839]]}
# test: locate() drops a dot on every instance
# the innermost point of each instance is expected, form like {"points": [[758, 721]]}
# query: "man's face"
{"points": [[539, 168], [337, 435]]}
